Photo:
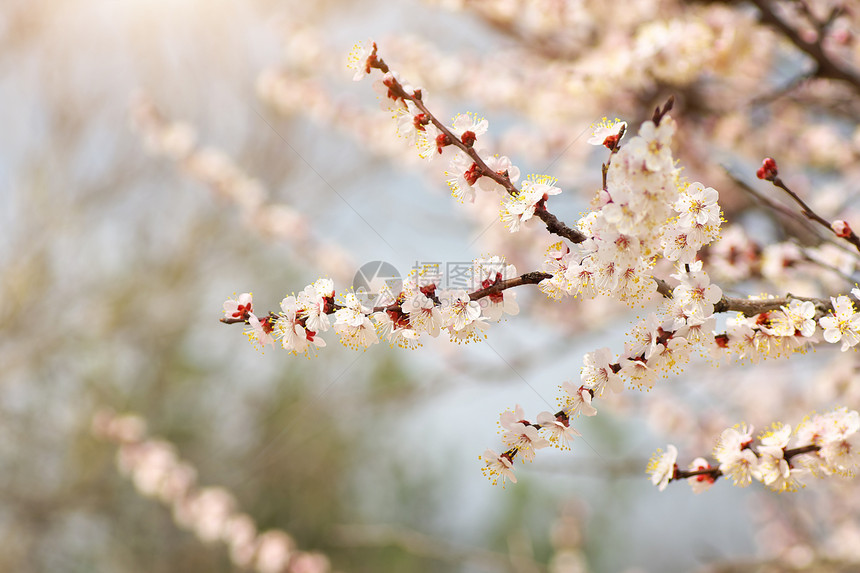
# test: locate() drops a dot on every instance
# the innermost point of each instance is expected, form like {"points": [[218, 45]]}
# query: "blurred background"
{"points": [[159, 157]]}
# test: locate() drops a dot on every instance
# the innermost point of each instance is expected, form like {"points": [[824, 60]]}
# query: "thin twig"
{"points": [[553, 224], [775, 205], [825, 66], [660, 113], [769, 98], [790, 213], [807, 211]]}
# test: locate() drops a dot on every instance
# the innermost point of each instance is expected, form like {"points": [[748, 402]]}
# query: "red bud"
{"points": [[768, 170]]}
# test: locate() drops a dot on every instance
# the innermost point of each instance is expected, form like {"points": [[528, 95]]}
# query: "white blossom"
{"points": [[661, 467], [842, 324]]}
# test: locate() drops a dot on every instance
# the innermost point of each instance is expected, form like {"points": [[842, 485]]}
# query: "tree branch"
{"points": [[553, 224], [825, 66], [752, 307]]}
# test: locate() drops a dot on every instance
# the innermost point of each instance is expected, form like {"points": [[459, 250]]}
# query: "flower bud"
{"points": [[442, 140], [420, 120], [471, 176], [842, 229], [768, 170], [468, 138]]}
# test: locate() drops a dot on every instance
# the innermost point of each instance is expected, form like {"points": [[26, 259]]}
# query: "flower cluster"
{"points": [[645, 210], [303, 316], [792, 328], [211, 513], [524, 438], [826, 444], [419, 308], [780, 332]]}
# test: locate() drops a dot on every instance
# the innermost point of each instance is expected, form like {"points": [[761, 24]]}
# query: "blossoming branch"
{"points": [[827, 444], [645, 211]]}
